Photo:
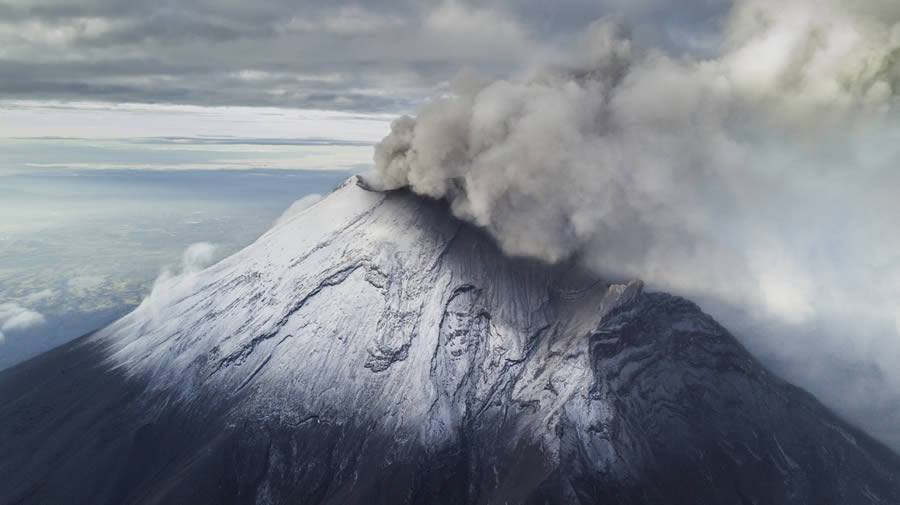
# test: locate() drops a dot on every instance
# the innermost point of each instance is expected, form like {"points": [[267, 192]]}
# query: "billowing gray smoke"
{"points": [[763, 182]]}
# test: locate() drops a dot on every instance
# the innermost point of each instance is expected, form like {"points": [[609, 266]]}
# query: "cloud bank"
{"points": [[380, 55], [760, 181]]}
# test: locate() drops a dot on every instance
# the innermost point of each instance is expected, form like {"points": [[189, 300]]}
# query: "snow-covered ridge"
{"points": [[370, 302]]}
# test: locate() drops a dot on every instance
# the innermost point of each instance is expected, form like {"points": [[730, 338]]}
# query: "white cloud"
{"points": [[40, 296], [14, 317], [286, 158], [297, 208], [253, 75], [26, 118], [173, 283], [197, 257]]}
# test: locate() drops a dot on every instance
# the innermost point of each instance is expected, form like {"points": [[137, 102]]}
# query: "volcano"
{"points": [[374, 349]]}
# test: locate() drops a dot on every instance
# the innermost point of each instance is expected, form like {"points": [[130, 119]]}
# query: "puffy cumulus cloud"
{"points": [[760, 181], [14, 317]]}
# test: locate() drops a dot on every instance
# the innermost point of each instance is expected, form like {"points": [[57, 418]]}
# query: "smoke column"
{"points": [[763, 182]]}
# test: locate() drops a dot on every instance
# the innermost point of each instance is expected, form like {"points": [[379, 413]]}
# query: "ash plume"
{"points": [[761, 182]]}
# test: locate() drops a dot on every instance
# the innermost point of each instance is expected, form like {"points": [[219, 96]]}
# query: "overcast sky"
{"points": [[376, 56]]}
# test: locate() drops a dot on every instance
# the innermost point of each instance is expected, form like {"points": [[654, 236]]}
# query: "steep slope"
{"points": [[373, 349]]}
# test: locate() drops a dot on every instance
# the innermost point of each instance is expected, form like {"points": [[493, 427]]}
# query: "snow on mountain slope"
{"points": [[373, 349], [376, 306]]}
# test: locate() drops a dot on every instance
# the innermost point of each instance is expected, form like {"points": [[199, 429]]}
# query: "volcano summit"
{"points": [[374, 349]]}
